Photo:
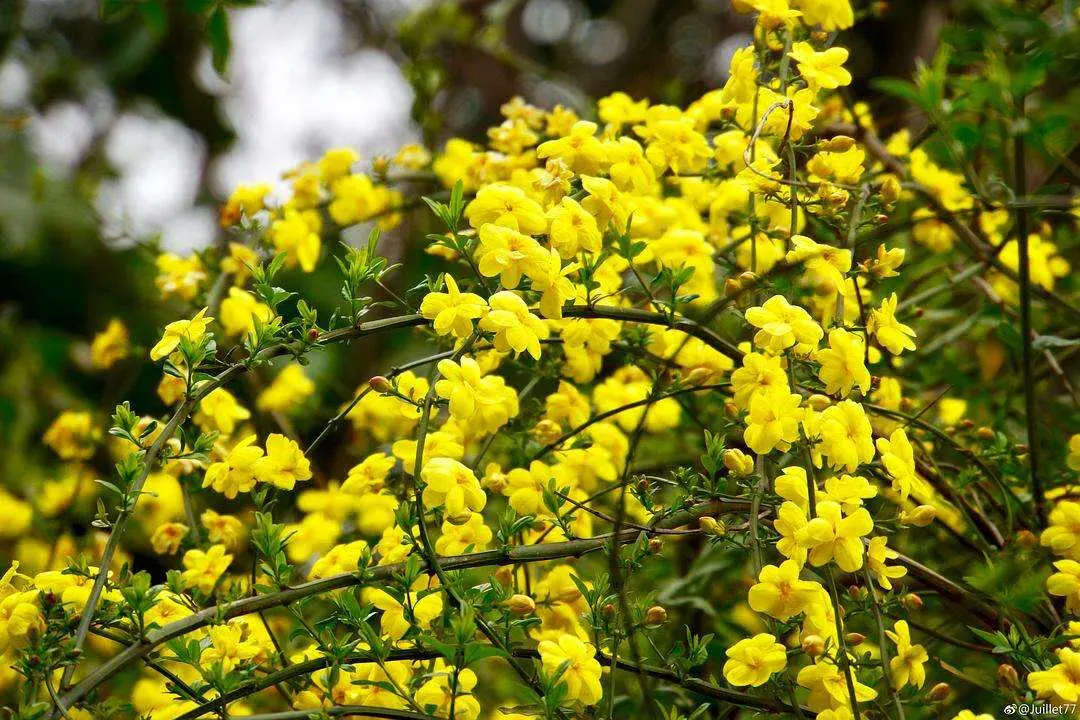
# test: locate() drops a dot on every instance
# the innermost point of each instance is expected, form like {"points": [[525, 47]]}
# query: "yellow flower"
{"points": [[618, 108], [779, 592], [831, 15], [877, 553], [830, 536], [228, 647], [842, 365], [20, 615], [203, 569], [479, 403], [580, 150], [783, 325], [508, 254], [236, 473], [825, 264], [846, 435], [821, 69], [890, 333], [369, 475], [219, 411], [759, 373], [828, 686], [110, 345], [907, 667], [1066, 583], [284, 464], [224, 529], [792, 486], [72, 435], [394, 623], [289, 388], [336, 162], [1061, 682], [247, 199], [167, 538], [442, 691], [239, 262], [453, 311], [514, 326], [191, 330], [582, 673], [1073, 458], [315, 534], [296, 235], [72, 589], [179, 276], [791, 524], [752, 661], [506, 206], [1063, 534], [899, 460], [240, 310], [453, 485], [773, 421], [456, 538], [340, 559]]}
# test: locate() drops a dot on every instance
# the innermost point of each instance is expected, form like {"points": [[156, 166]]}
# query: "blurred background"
{"points": [[125, 123]]}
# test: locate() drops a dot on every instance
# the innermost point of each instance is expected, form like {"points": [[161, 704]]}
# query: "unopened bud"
{"points": [[1007, 676], [818, 402], [920, 516], [459, 518], [380, 165], [655, 616], [911, 601], [813, 645], [712, 526], [608, 610], [939, 692], [380, 384], [312, 334], [1021, 449], [747, 278], [881, 218], [520, 604], [854, 638], [730, 407], [890, 189], [984, 433], [840, 143], [505, 575], [738, 462], [732, 287], [698, 376], [655, 545], [966, 424], [1027, 539], [855, 592]]}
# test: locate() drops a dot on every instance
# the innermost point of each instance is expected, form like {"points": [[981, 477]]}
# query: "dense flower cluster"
{"points": [[605, 285]]}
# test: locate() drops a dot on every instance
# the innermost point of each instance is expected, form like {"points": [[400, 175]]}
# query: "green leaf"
{"points": [[217, 34]]}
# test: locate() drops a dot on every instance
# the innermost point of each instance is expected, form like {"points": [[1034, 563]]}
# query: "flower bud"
{"points": [[746, 278], [854, 638], [939, 692], [380, 384], [608, 610], [855, 592], [813, 645], [911, 601], [738, 462], [505, 575], [655, 545], [520, 604], [1007, 676], [698, 376], [459, 518], [655, 616], [312, 334], [1027, 539], [984, 433], [380, 164], [732, 287], [818, 402], [840, 143], [890, 189], [712, 526], [920, 516]]}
